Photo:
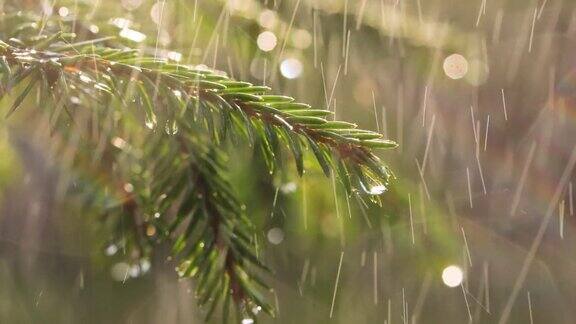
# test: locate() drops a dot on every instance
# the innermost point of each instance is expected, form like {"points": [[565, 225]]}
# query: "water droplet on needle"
{"points": [[377, 190]]}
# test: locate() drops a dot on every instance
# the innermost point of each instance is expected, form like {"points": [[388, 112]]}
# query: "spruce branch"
{"points": [[199, 110], [269, 117]]}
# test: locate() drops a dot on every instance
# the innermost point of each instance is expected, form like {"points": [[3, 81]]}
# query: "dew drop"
{"points": [[128, 187], [93, 28], [144, 265], [111, 249], [134, 270], [377, 190], [150, 230], [174, 129], [289, 187], [132, 35], [84, 78], [121, 22], [373, 189], [119, 143], [150, 121]]}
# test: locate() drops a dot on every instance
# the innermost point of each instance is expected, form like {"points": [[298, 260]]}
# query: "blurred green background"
{"points": [[480, 97]]}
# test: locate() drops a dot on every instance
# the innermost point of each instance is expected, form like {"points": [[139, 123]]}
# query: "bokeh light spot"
{"points": [[275, 235], [120, 271], [455, 66], [452, 276], [478, 72], [267, 19], [63, 11], [266, 41], [291, 68], [157, 12], [301, 39], [131, 4]]}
